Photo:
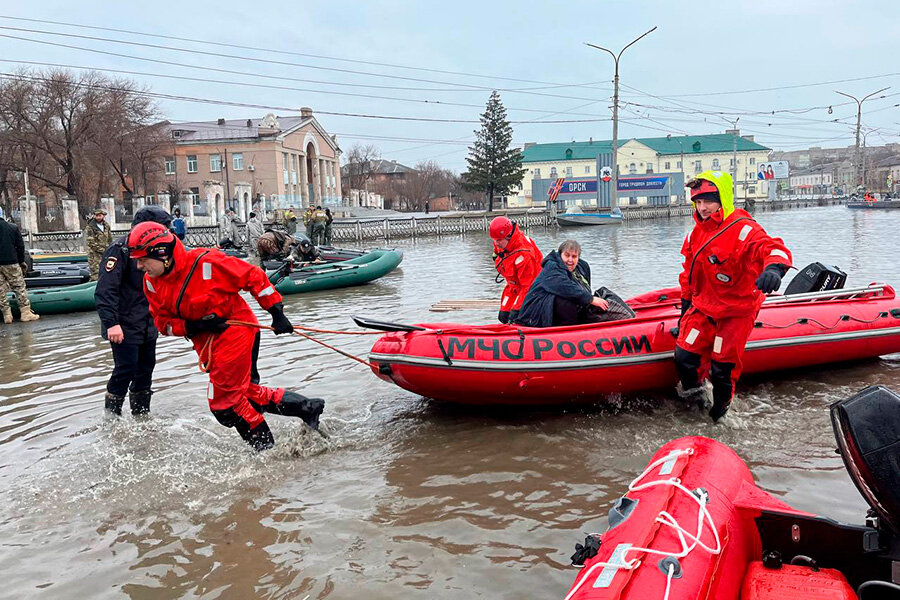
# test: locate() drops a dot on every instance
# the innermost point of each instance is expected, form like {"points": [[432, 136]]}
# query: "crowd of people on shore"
{"points": [[729, 264]]}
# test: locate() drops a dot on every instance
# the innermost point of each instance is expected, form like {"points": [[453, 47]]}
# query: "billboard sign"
{"points": [[772, 170], [631, 184]]}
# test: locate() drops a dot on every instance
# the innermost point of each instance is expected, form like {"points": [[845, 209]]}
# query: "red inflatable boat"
{"points": [[503, 364], [694, 525]]}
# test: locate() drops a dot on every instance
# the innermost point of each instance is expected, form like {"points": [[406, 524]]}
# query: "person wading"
{"points": [[730, 263], [518, 260], [126, 322], [195, 293], [12, 273]]}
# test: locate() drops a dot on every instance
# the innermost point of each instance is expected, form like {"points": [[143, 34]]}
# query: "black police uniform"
{"points": [[120, 301]]}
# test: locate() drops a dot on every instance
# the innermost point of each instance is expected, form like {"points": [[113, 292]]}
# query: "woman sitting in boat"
{"points": [[518, 260], [561, 294]]}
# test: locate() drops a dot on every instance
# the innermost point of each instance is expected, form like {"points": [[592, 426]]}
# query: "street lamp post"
{"points": [[614, 195], [859, 104], [683, 170]]}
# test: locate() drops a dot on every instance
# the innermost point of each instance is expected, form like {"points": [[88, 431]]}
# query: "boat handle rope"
{"points": [[665, 518], [805, 320], [204, 355], [443, 350]]}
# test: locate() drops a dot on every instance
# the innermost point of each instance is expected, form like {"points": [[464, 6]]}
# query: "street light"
{"points": [[683, 170], [858, 124], [614, 196]]}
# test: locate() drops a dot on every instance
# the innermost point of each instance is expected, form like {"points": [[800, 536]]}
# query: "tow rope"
{"points": [[204, 354]]}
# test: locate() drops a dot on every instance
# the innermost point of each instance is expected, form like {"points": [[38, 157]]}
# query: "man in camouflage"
{"points": [[12, 273], [97, 238]]}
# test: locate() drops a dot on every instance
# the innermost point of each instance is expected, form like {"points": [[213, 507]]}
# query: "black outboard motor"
{"points": [[816, 277], [867, 429]]}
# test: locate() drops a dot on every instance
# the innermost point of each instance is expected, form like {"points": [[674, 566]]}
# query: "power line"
{"points": [[290, 53], [181, 98]]}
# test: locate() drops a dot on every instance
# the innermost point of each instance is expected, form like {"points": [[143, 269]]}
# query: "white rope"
{"points": [[665, 518]]}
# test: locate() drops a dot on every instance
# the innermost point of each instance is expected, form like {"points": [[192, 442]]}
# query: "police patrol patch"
{"points": [[110, 263]]}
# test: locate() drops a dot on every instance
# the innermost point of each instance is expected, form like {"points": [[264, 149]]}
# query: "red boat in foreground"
{"points": [[503, 364], [694, 525]]}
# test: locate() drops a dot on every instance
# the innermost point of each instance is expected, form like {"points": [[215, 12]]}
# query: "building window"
{"points": [[698, 166], [632, 168], [668, 166], [752, 160], [715, 164], [553, 172], [537, 173], [751, 190], [587, 169], [237, 161], [649, 168], [192, 163], [215, 163], [678, 164], [568, 171], [170, 165], [731, 163]]}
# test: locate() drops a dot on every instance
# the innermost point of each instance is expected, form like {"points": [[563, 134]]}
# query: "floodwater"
{"points": [[407, 498]]}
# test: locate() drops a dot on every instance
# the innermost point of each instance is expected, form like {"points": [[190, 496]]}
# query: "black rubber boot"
{"points": [[140, 402], [687, 365], [297, 405], [260, 437], [723, 388], [113, 404]]}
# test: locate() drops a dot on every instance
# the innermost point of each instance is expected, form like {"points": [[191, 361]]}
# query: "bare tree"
{"points": [[360, 165], [427, 181]]}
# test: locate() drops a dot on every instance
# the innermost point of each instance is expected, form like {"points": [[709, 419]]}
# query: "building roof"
{"points": [[689, 144], [382, 167], [233, 129]]}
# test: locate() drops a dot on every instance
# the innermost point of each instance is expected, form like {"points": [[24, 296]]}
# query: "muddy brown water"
{"points": [[408, 498]]}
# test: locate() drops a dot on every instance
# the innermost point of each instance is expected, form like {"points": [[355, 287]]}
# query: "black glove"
{"points": [[503, 316], [211, 323], [280, 322], [770, 279]]}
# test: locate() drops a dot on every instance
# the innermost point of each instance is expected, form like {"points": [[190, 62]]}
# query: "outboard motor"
{"points": [[816, 277], [867, 429]]}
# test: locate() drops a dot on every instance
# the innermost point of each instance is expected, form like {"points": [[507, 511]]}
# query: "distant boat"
{"points": [[574, 217], [882, 204]]}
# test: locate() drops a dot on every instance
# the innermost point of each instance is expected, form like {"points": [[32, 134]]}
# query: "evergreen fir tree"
{"points": [[494, 167]]}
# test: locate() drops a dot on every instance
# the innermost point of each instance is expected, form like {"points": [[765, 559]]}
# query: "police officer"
{"points": [[126, 322], [97, 237]]}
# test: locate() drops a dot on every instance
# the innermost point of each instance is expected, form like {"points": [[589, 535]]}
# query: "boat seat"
{"points": [[794, 582]]}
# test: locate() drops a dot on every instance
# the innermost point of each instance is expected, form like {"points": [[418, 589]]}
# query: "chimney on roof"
{"points": [[220, 122], [249, 122], [590, 140], [305, 112], [749, 138]]}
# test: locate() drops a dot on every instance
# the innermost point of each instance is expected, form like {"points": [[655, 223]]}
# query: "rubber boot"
{"points": [[113, 404], [722, 389], [140, 402], [7, 315], [260, 437], [296, 405], [27, 315]]}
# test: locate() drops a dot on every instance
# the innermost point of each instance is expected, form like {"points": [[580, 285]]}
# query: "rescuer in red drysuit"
{"points": [[193, 293], [730, 263], [518, 260]]}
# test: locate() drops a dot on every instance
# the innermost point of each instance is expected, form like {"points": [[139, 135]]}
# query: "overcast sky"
{"points": [[409, 59]]}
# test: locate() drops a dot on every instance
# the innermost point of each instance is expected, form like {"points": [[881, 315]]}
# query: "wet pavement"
{"points": [[407, 498]]}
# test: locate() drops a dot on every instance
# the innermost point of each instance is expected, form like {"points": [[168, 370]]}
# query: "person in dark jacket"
{"points": [[126, 322], [12, 273], [561, 293]]}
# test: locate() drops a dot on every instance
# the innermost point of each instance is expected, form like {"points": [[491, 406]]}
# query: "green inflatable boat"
{"points": [[355, 271], [56, 300]]}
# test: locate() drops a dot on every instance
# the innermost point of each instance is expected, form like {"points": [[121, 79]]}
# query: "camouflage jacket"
{"points": [[97, 237]]}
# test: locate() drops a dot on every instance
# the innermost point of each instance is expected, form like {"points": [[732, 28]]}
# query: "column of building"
{"points": [[304, 176]]}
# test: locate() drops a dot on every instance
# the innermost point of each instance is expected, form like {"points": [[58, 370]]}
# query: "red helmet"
{"points": [[151, 240], [703, 186], [501, 228]]}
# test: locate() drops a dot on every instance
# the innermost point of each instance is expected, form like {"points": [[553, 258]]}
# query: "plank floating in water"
{"points": [[468, 304]]}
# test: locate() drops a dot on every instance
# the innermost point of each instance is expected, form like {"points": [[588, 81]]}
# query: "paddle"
{"points": [[385, 325], [448, 305]]}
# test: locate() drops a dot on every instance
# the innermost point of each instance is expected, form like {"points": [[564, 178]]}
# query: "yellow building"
{"points": [[689, 155]]}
